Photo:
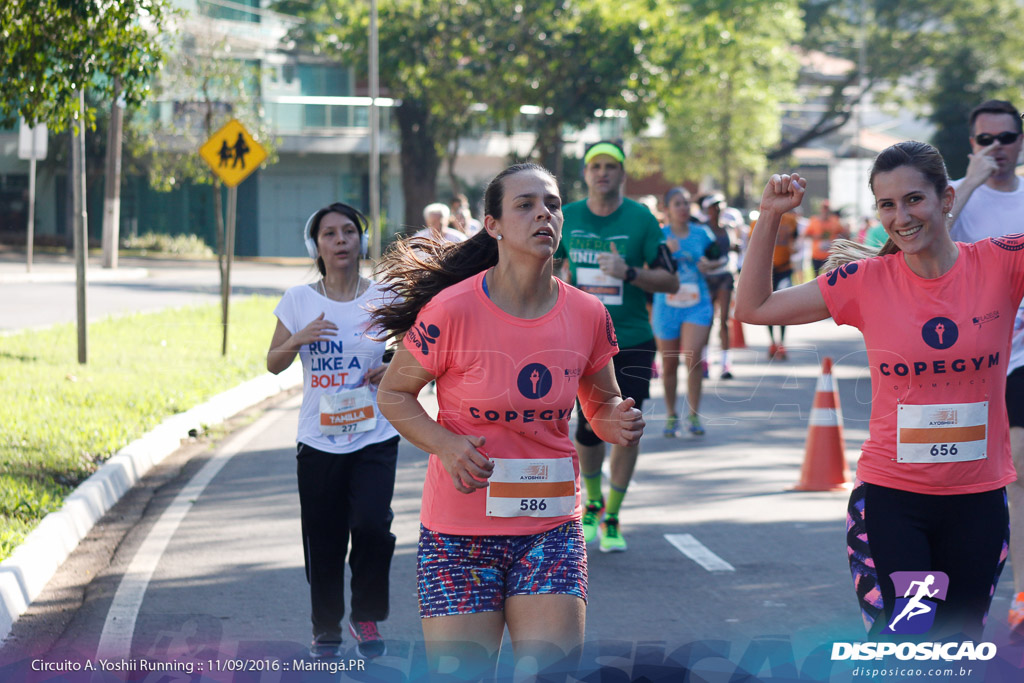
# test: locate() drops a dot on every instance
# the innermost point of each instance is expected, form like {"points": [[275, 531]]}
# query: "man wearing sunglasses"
{"points": [[990, 203]]}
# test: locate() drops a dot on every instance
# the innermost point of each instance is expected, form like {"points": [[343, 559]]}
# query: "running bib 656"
{"points": [[347, 412], [955, 432], [531, 488]]}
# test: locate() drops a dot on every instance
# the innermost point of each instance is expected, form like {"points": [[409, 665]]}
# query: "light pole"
{"points": [[374, 136]]}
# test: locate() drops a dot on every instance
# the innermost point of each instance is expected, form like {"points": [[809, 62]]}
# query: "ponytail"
{"points": [[846, 251], [414, 270]]}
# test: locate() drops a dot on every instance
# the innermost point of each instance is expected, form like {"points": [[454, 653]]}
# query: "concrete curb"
{"points": [[27, 571]]}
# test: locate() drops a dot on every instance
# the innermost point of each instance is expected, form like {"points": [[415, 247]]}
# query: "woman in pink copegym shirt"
{"points": [[510, 347], [930, 497]]}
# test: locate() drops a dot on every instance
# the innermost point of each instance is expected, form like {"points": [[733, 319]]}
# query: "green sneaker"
{"points": [[671, 425], [591, 518], [611, 538], [696, 428]]}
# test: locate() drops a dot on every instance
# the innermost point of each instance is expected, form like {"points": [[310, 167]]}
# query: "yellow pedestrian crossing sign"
{"points": [[232, 153]]}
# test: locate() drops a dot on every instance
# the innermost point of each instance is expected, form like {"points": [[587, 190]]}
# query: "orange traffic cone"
{"points": [[736, 340], [825, 467]]}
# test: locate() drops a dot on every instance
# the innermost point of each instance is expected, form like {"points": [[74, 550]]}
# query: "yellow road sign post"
{"points": [[232, 154]]}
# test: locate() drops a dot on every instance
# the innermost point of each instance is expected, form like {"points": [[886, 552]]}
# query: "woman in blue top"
{"points": [[682, 321]]}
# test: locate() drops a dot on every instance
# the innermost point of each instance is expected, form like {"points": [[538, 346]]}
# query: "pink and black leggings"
{"points": [[966, 536]]}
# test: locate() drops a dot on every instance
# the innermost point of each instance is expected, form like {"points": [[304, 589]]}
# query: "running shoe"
{"points": [[726, 372], [611, 538], [326, 646], [369, 644], [704, 368], [780, 353], [671, 425], [1016, 617], [695, 427], [772, 350], [591, 519]]}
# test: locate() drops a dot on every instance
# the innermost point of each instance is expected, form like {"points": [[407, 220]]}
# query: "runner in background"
{"points": [[720, 275], [782, 276], [821, 230], [615, 250], [346, 453], [930, 493], [511, 347], [437, 216], [990, 203], [682, 320]]}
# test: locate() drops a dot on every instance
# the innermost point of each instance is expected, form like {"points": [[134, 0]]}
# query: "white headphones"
{"points": [[314, 253]]}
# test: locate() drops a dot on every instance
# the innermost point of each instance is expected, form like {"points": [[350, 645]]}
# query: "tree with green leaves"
{"points": [[571, 58], [52, 51], [431, 58], [940, 57], [444, 58], [726, 68]]}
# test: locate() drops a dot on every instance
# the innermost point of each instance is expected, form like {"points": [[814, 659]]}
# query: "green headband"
{"points": [[604, 148]]}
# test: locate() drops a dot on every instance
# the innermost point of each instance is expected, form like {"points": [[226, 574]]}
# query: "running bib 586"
{"points": [[347, 412], [531, 488], [955, 432]]}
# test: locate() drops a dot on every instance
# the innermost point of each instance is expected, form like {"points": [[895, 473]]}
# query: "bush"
{"points": [[178, 245]]}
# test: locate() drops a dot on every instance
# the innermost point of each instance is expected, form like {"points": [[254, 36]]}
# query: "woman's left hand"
{"points": [[629, 421]]}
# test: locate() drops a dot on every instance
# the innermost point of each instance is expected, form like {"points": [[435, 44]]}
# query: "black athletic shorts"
{"points": [[1015, 397], [633, 369]]}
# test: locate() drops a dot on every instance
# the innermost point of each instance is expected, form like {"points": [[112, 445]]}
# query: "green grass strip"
{"points": [[59, 421]]}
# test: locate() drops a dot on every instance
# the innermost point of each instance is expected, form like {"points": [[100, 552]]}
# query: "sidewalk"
{"points": [[48, 267]]}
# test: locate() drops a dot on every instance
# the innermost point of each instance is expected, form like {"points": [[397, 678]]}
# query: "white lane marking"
{"points": [[699, 553], [119, 627]]}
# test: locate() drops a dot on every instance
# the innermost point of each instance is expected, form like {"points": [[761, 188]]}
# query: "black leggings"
{"points": [[341, 496], [965, 536]]}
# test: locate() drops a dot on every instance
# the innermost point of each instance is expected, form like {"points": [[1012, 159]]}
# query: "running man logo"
{"points": [[232, 153], [943, 417], [914, 613], [535, 472]]}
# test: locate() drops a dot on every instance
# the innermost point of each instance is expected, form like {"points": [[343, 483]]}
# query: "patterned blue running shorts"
{"points": [[469, 574]]}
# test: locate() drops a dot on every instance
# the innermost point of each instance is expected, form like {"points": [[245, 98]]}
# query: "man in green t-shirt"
{"points": [[615, 250]]}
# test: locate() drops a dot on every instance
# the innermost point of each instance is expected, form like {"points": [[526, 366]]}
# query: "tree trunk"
{"points": [[112, 189], [725, 139], [81, 224], [452, 157], [420, 161], [549, 147]]}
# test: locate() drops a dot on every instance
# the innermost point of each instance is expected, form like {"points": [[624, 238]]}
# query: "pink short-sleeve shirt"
{"points": [[937, 352], [514, 382]]}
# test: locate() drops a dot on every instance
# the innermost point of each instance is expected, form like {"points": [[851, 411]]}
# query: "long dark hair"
{"points": [[417, 269]]}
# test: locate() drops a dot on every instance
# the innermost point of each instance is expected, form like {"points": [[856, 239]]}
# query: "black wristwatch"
{"points": [[630, 274]]}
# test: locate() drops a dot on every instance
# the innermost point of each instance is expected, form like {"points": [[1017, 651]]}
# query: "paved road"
{"points": [[201, 566], [46, 295]]}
